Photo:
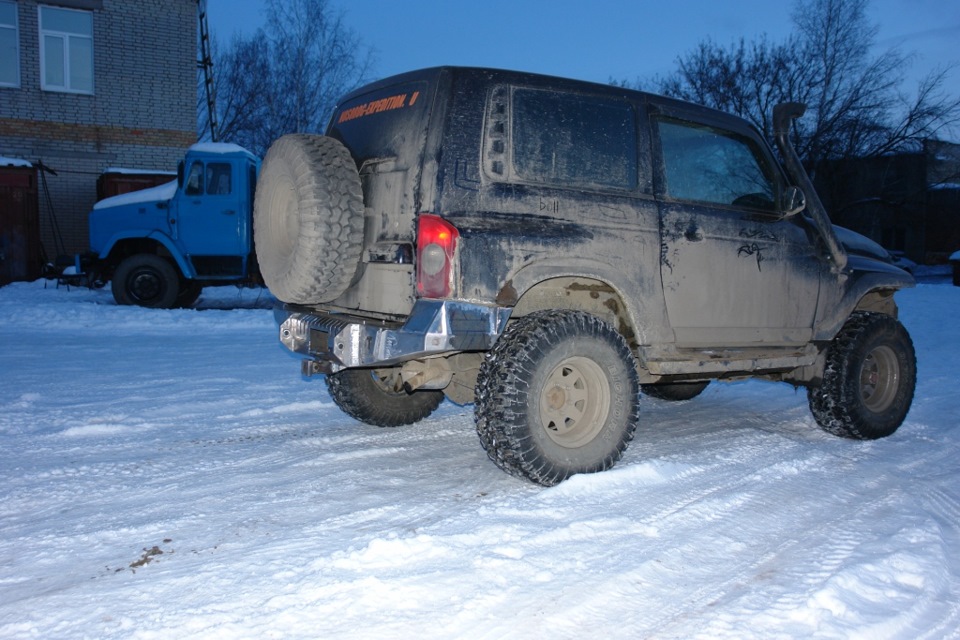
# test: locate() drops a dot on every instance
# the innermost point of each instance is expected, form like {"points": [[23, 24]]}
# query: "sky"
{"points": [[598, 40]]}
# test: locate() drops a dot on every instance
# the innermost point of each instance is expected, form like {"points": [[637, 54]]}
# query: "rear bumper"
{"points": [[335, 341]]}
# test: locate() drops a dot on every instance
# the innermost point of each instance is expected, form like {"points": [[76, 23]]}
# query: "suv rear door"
{"points": [[384, 128], [735, 271]]}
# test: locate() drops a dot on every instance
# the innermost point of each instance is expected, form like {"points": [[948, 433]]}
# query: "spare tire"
{"points": [[308, 219]]}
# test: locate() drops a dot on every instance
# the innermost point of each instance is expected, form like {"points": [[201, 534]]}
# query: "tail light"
{"points": [[436, 248]]}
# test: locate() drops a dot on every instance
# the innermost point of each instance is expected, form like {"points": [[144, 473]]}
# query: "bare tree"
{"points": [[744, 79], [240, 86], [287, 76], [855, 104]]}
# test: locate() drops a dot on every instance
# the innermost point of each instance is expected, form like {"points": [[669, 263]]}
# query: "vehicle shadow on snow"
{"points": [[232, 297], [726, 408], [221, 297]]}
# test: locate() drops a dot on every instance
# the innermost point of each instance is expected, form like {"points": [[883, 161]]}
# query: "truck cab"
{"points": [[160, 246]]}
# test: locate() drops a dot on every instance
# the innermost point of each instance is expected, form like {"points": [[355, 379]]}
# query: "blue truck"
{"points": [[160, 246]]}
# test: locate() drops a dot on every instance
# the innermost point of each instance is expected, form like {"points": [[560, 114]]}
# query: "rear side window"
{"points": [[705, 164], [561, 139]]}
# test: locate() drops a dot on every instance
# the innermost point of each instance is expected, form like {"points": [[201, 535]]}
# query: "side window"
{"points": [[195, 180], [218, 179], [9, 45], [704, 164], [66, 50], [562, 139]]}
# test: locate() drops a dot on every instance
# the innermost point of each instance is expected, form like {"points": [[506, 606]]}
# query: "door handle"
{"points": [[693, 234], [229, 212]]}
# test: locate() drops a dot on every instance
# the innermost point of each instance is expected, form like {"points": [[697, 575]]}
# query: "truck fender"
{"points": [[186, 269]]}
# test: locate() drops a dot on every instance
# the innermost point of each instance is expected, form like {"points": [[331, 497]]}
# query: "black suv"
{"points": [[546, 248]]}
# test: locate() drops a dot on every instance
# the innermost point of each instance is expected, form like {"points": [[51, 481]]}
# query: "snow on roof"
{"points": [[134, 172], [14, 162], [153, 194], [954, 257], [944, 185], [218, 147]]}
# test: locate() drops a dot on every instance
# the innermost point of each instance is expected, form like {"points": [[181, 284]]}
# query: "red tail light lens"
{"points": [[436, 248]]}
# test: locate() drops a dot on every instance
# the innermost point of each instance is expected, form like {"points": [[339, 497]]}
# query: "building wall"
{"points": [[142, 114], [884, 198], [907, 202], [943, 200]]}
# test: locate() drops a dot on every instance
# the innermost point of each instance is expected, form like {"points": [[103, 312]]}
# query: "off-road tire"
{"points": [[556, 396], [674, 391], [868, 381], [308, 219], [146, 280], [377, 397]]}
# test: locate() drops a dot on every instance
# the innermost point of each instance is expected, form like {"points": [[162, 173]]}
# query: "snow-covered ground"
{"points": [[168, 474]]}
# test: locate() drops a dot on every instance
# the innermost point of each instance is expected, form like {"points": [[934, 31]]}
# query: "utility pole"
{"points": [[206, 63]]}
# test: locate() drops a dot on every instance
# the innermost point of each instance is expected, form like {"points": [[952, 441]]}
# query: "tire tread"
{"points": [[835, 402], [329, 199], [503, 394]]}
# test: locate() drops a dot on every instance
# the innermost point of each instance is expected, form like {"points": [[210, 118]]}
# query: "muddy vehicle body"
{"points": [[546, 248]]}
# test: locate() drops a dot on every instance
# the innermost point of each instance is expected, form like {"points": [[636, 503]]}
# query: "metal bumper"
{"points": [[333, 341]]}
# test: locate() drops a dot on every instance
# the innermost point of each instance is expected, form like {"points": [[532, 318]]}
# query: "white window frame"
{"points": [[15, 27], [66, 38]]}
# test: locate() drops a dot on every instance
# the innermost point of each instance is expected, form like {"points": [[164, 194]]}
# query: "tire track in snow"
{"points": [[723, 589], [944, 506], [745, 551], [809, 577], [718, 492]]}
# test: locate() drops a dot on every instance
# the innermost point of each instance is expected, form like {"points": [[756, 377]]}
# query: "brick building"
{"points": [[908, 202], [87, 85]]}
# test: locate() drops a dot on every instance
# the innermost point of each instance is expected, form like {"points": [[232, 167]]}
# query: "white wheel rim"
{"points": [[574, 402]]}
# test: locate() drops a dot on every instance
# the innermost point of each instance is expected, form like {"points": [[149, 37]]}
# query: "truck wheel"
{"points": [[377, 397], [146, 280], [868, 380], [557, 395], [308, 219], [674, 391]]}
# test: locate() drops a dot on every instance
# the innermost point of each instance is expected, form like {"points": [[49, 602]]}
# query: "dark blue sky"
{"points": [[599, 39]]}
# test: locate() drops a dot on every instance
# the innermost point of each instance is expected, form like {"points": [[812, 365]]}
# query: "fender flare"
{"points": [[186, 269], [643, 317], [862, 284]]}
